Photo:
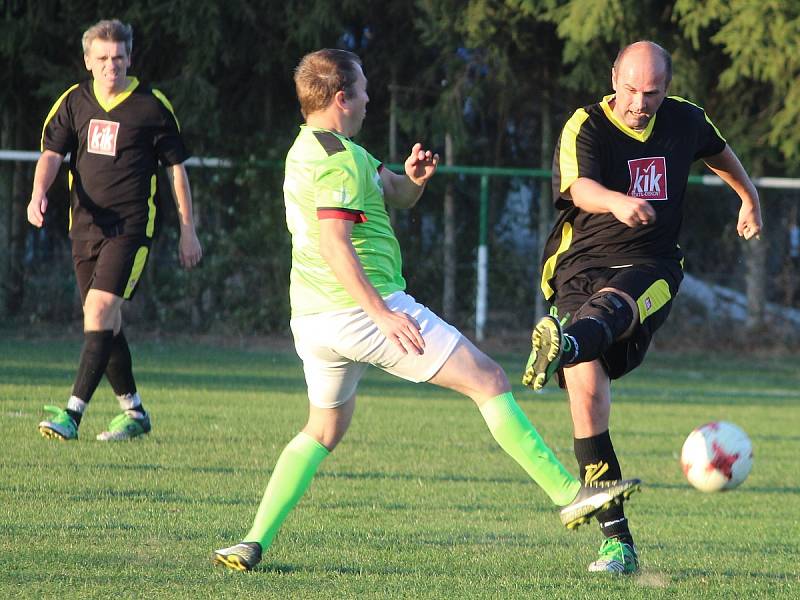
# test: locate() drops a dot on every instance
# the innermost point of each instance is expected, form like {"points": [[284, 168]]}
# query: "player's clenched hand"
{"points": [[402, 330], [421, 164], [749, 224], [634, 212], [36, 209], [189, 249]]}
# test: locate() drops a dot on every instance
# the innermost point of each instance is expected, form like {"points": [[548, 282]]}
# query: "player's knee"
{"points": [[328, 435], [493, 378], [611, 311], [102, 312]]}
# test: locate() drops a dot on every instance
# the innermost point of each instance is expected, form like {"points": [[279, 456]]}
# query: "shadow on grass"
{"points": [[210, 377], [737, 575], [745, 489], [286, 569]]}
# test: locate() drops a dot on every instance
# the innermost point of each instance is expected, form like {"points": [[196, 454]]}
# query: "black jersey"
{"points": [[653, 164], [114, 152]]}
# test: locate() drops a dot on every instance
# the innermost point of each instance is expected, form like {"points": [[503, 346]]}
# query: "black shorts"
{"points": [[652, 286], [112, 265]]}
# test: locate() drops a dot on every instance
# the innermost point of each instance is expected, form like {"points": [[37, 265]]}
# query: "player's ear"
{"points": [[86, 62], [614, 79], [340, 99]]}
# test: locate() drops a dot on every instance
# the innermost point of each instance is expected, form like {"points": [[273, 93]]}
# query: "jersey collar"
{"points": [[306, 126], [639, 136], [118, 99]]}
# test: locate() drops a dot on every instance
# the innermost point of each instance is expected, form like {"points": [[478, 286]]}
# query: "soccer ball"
{"points": [[717, 456]]}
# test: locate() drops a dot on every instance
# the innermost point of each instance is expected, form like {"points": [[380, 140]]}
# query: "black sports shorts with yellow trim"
{"points": [[652, 286], [112, 265]]}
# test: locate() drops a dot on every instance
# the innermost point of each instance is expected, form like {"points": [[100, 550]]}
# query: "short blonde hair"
{"points": [[112, 30], [321, 74]]}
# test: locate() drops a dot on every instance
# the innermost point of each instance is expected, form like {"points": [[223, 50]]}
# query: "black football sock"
{"points": [[598, 462], [119, 373], [119, 370], [589, 341], [92, 365]]}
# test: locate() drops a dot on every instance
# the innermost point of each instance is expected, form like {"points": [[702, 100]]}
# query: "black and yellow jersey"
{"points": [[652, 164], [114, 153]]}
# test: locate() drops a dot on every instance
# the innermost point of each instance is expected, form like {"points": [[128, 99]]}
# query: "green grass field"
{"points": [[416, 502]]}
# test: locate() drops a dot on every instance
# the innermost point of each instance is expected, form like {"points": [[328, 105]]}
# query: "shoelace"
{"points": [[554, 314]]}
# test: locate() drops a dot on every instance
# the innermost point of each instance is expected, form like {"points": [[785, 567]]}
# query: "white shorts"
{"points": [[337, 346]]}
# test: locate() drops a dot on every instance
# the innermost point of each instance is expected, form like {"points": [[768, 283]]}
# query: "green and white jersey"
{"points": [[330, 177]]}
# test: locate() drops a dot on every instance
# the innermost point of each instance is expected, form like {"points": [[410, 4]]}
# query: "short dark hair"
{"points": [[321, 74], [112, 30], [665, 56]]}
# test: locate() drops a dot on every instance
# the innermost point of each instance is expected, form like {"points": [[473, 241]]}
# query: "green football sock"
{"points": [[292, 474], [515, 434]]}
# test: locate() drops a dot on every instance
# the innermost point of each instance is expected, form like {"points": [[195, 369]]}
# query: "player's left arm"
{"points": [[403, 191], [189, 249], [728, 167]]}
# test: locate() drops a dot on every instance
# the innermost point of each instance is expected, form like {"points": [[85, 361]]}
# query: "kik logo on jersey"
{"points": [[102, 137], [648, 178]]}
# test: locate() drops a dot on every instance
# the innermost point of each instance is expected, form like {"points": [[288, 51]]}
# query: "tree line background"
{"points": [[484, 82]]}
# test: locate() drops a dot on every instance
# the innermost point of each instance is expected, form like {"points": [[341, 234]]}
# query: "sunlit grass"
{"points": [[416, 502]]}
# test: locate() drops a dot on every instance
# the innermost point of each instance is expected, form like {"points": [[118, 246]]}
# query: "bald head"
{"points": [[640, 78], [648, 55]]}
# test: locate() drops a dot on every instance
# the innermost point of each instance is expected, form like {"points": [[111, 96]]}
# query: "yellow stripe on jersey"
{"points": [[568, 152], [639, 136], [679, 99], [138, 266], [52, 113], [550, 264], [165, 102], [118, 99], [151, 207], [653, 299], [69, 187]]}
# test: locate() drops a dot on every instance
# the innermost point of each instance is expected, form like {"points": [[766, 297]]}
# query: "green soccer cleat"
{"points": [[547, 341], [126, 426], [241, 557], [596, 497], [616, 557], [60, 427]]}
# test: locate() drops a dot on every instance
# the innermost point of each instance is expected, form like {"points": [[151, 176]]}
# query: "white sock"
{"points": [[76, 404], [129, 401]]}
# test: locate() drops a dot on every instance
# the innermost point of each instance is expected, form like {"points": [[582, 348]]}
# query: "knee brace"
{"points": [[611, 311]]}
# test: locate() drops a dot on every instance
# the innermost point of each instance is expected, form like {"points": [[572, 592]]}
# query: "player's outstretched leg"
{"points": [[516, 435], [616, 556], [241, 557], [547, 346], [596, 497], [61, 426]]}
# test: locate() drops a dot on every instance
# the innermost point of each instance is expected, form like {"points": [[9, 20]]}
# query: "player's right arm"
{"points": [[577, 174], [46, 170], [336, 248], [593, 197]]}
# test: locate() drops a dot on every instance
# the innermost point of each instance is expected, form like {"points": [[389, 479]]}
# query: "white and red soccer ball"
{"points": [[717, 456]]}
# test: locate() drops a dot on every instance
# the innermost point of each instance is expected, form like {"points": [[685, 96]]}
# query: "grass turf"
{"points": [[416, 502]]}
